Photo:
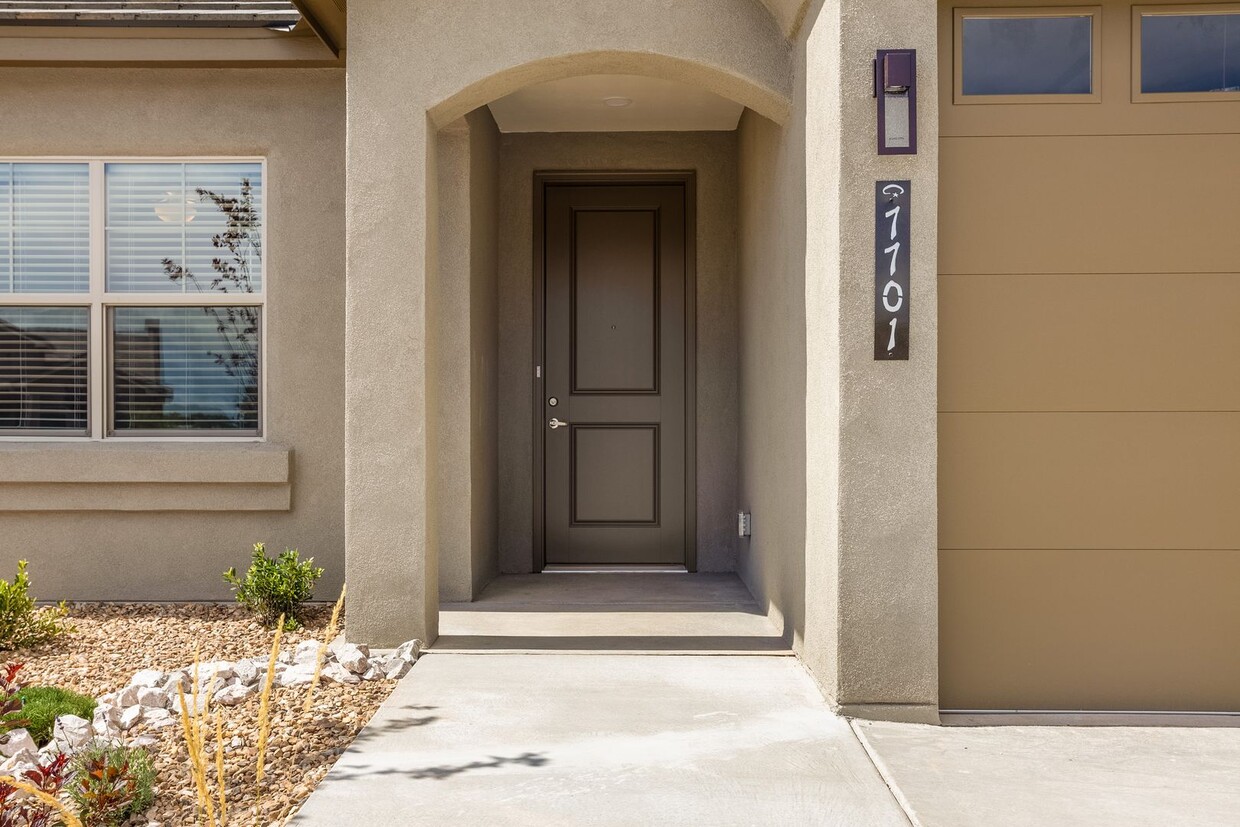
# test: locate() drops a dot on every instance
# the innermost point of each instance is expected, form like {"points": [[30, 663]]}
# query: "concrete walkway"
{"points": [[592, 740], [668, 699]]}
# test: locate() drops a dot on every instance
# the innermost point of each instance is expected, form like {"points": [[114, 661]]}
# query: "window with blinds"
{"points": [[184, 228], [185, 367], [44, 228], [44, 370], [156, 331]]}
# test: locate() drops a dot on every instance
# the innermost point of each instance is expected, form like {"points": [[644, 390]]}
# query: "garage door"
{"points": [[1089, 425]]}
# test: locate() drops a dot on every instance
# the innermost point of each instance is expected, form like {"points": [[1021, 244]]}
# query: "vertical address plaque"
{"points": [[891, 269]]}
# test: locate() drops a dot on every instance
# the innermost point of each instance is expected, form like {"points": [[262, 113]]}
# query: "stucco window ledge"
{"points": [[121, 476]]}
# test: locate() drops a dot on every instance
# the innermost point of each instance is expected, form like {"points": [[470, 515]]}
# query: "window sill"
{"points": [[147, 476]]}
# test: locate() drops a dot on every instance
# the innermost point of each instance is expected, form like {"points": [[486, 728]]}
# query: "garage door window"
{"points": [[1027, 55], [1189, 51]]}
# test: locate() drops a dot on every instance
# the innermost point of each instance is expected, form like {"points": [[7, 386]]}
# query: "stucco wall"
{"points": [[871, 488], [296, 119], [464, 331], [713, 156], [772, 369]]}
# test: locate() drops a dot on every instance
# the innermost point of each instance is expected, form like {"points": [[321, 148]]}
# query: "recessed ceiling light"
{"points": [[618, 102]]}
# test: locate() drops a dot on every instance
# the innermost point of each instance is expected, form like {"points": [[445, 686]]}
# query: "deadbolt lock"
{"points": [[553, 401]]}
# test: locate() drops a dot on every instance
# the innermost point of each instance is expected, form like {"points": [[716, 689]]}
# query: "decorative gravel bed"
{"points": [[113, 642]]}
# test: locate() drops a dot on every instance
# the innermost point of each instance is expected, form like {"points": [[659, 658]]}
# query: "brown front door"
{"points": [[616, 299]]}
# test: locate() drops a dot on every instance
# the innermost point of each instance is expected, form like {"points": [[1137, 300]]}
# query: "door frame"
{"points": [[542, 180]]}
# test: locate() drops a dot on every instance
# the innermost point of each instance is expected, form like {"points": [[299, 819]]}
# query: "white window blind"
{"points": [[44, 228], [44, 370], [168, 228], [185, 368]]}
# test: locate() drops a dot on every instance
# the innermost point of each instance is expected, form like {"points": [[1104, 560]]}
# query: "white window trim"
{"points": [[99, 300]]}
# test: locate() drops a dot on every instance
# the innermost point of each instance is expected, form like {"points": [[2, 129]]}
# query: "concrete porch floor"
{"points": [[647, 613]]}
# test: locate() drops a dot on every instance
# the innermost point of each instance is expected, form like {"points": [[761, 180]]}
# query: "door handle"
{"points": [[555, 423]]}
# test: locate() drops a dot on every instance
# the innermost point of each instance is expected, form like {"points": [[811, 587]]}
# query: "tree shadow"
{"points": [[442, 771], [376, 729]]}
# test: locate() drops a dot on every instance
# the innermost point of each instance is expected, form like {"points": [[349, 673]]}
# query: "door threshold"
{"points": [[561, 568]]}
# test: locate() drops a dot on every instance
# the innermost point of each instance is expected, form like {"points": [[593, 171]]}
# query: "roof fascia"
{"points": [[144, 46]]}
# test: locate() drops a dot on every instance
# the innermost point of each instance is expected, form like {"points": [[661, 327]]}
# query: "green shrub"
{"points": [[21, 624], [274, 587], [41, 705], [111, 784]]}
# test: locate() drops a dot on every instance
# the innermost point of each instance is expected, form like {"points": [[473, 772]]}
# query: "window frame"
{"points": [[960, 13], [99, 302], [1189, 9]]}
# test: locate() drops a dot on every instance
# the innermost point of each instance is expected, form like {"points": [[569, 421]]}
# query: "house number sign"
{"points": [[891, 269]]}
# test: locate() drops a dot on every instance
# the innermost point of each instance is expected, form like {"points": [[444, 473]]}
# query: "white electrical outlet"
{"points": [[744, 523]]}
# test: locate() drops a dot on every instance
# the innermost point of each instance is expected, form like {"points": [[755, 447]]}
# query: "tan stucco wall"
{"points": [[712, 155], [871, 635], [296, 119], [463, 298], [772, 368]]}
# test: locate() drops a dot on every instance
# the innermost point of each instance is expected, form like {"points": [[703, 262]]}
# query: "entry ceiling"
{"points": [[597, 103]]}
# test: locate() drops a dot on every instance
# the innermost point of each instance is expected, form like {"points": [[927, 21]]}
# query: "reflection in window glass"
{"points": [[185, 368], [44, 228], [184, 228], [1190, 52], [1027, 56], [43, 369]]}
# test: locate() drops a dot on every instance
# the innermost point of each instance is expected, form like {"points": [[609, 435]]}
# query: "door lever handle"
{"points": [[555, 423]]}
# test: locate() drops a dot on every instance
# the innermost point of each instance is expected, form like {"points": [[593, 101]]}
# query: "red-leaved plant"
{"points": [[48, 777], [10, 703]]}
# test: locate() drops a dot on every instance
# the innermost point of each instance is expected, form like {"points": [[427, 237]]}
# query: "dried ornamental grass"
{"points": [[328, 636], [264, 716], [52, 801]]}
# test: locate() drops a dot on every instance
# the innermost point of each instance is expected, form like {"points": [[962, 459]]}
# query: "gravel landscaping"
{"points": [[115, 642]]}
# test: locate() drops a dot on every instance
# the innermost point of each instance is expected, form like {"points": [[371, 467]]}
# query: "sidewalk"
{"points": [[1060, 776], [593, 740]]}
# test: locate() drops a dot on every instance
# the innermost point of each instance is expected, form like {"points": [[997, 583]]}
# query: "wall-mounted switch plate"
{"points": [[744, 524]]}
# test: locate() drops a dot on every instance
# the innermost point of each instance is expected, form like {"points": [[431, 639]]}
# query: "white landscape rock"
{"points": [[247, 672], [235, 694], [306, 652], [107, 719], [350, 656], [129, 718], [336, 673], [16, 741], [296, 676], [158, 698], [180, 679], [409, 650], [20, 762], [128, 696], [220, 670], [148, 677], [158, 718], [70, 733]]}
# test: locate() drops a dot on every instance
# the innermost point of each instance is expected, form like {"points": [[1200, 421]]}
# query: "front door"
{"points": [[617, 294]]}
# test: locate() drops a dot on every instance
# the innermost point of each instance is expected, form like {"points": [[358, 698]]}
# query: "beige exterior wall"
{"points": [[463, 296], [134, 521], [712, 155], [773, 368], [871, 628]]}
